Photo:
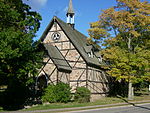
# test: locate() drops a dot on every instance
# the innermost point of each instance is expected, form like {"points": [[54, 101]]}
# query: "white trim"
{"points": [[72, 20], [68, 18]]}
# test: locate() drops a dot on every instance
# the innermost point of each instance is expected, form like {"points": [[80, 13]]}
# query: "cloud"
{"points": [[36, 4], [40, 2]]}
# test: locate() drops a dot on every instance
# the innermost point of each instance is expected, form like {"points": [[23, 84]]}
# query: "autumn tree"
{"points": [[123, 31], [18, 53]]}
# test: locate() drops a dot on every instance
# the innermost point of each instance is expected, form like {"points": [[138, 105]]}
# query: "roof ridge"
{"points": [[76, 38]]}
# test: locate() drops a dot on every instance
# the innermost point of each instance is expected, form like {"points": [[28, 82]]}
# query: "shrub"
{"points": [[49, 94], [82, 95], [57, 93], [63, 93]]}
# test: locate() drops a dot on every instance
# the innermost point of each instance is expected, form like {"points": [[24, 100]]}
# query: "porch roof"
{"points": [[57, 58]]}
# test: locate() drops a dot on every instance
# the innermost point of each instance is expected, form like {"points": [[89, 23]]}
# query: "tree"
{"points": [[18, 53], [123, 31]]}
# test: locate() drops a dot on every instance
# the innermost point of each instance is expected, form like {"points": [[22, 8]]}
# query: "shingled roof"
{"points": [[58, 59], [77, 39]]}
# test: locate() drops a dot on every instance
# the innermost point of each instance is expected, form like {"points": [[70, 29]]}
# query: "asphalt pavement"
{"points": [[141, 108]]}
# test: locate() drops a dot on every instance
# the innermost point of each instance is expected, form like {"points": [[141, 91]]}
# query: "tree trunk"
{"points": [[149, 89], [129, 44], [130, 91]]}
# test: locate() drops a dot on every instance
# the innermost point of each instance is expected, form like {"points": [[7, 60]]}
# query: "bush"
{"points": [[63, 93], [82, 95], [49, 94], [57, 93]]}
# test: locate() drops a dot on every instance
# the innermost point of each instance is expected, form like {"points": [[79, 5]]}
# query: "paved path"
{"points": [[141, 108]]}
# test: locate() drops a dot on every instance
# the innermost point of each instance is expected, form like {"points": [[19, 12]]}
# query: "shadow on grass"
{"points": [[120, 97], [138, 94]]}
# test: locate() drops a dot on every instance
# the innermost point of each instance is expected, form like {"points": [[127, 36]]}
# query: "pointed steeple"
{"points": [[70, 14], [70, 8]]}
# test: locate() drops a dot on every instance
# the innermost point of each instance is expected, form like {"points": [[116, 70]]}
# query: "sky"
{"points": [[86, 11]]}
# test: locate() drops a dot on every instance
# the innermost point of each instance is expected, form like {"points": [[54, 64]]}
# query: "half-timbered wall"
{"points": [[81, 74]]}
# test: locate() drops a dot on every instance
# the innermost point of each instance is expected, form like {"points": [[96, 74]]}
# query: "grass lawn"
{"points": [[102, 101], [1, 109]]}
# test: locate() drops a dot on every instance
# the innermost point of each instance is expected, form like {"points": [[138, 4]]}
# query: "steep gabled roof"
{"points": [[77, 39]]}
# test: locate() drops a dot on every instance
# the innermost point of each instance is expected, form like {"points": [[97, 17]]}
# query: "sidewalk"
{"points": [[80, 108]]}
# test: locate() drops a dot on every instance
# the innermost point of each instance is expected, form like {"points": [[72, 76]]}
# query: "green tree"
{"points": [[18, 53], [123, 31]]}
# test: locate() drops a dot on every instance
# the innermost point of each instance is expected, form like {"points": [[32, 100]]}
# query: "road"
{"points": [[141, 108]]}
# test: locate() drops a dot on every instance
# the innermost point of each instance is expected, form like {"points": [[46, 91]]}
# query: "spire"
{"points": [[70, 14], [70, 9]]}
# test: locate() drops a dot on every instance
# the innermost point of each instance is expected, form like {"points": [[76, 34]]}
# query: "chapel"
{"points": [[69, 57]]}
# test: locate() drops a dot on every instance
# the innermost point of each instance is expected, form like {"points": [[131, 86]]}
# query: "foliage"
{"points": [[49, 94], [63, 92], [57, 93], [82, 95], [124, 33], [118, 88], [141, 83], [13, 99], [18, 53]]}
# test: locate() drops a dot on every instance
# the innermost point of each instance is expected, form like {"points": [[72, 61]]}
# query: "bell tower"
{"points": [[70, 14]]}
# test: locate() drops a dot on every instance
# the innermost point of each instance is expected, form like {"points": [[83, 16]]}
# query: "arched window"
{"points": [[41, 82]]}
